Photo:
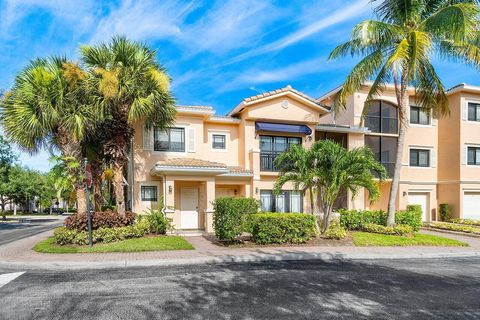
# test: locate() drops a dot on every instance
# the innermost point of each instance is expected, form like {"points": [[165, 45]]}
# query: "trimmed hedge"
{"points": [[104, 219], [64, 236], [398, 230], [231, 216], [269, 228], [356, 219], [444, 209], [454, 227], [469, 222]]}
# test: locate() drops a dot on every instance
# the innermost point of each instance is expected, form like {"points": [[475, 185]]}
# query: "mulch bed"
{"points": [[245, 242]]}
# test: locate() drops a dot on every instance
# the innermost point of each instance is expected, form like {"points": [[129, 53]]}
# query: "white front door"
{"points": [[420, 199], [189, 208], [471, 205]]}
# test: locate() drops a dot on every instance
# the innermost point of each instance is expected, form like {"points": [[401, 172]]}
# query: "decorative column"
{"points": [[209, 197]]}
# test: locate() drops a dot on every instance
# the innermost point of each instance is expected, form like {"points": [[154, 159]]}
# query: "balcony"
{"points": [[267, 161]]}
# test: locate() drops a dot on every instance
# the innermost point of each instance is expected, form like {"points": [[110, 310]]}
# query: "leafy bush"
{"points": [[411, 217], [335, 231], [64, 236], [470, 222], [282, 227], [158, 222], [444, 209], [230, 216], [398, 230], [454, 227], [356, 219], [105, 219]]}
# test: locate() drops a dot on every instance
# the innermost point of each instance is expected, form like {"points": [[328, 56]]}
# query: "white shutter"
{"points": [[147, 139], [434, 121], [191, 140], [465, 111], [464, 154], [433, 158]]}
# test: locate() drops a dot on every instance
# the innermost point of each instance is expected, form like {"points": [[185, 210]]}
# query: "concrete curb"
{"points": [[249, 258], [458, 233]]}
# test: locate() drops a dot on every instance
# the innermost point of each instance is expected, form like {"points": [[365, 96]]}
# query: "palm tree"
{"points": [[328, 168], [128, 86], [397, 48], [47, 107], [294, 167]]}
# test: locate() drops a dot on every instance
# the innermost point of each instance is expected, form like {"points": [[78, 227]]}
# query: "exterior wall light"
{"points": [[256, 190], [170, 189]]}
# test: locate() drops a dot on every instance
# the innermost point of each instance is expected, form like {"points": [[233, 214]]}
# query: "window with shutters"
{"points": [[170, 139]]}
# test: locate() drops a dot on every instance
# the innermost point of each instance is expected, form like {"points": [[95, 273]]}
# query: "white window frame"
{"points": [[431, 156], [464, 111], [185, 126], [149, 184], [225, 133], [430, 118], [465, 154]]}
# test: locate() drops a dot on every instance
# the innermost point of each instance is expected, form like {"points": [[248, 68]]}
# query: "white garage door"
{"points": [[420, 199], [471, 205]]}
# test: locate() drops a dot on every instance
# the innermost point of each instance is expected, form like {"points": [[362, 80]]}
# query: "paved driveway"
{"points": [[10, 231], [374, 289]]}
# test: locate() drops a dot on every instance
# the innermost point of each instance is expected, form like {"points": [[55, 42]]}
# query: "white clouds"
{"points": [[141, 20], [350, 11], [229, 25]]}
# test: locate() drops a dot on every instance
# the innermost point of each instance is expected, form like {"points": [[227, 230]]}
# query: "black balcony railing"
{"points": [[267, 161]]}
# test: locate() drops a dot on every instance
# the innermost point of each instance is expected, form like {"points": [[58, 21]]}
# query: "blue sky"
{"points": [[217, 52]]}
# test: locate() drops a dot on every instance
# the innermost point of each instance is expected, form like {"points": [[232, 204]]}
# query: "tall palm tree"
{"points": [[128, 86], [328, 168], [397, 48], [47, 107]]}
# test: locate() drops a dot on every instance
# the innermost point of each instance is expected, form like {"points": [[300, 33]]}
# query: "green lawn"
{"points": [[159, 243], [365, 239]]}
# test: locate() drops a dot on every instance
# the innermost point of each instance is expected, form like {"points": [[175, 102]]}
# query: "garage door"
{"points": [[420, 199], [471, 205]]}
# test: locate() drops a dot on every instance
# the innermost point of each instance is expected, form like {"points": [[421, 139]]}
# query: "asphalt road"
{"points": [[406, 289], [10, 232]]}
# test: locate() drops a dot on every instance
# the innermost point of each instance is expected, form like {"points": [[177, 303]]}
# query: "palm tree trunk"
{"points": [[81, 201], [398, 161], [118, 186], [312, 209]]}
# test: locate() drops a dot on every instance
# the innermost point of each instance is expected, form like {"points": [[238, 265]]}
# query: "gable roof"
{"points": [[276, 93]]}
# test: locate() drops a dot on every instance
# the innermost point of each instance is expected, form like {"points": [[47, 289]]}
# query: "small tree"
{"points": [[331, 168]]}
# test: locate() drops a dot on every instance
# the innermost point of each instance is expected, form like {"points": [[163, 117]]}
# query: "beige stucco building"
{"points": [[205, 156]]}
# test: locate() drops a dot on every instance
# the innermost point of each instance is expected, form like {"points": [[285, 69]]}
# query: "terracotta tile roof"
{"points": [[190, 162], [239, 170], [274, 92]]}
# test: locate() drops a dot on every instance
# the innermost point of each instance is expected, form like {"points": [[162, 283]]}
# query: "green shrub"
{"points": [[398, 230], [470, 222], [355, 219], [411, 217], [282, 227], [231, 215], [444, 209], [454, 227], [63, 235], [159, 224], [335, 231]]}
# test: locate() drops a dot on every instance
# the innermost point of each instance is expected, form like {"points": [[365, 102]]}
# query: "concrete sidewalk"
{"points": [[18, 255]]}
